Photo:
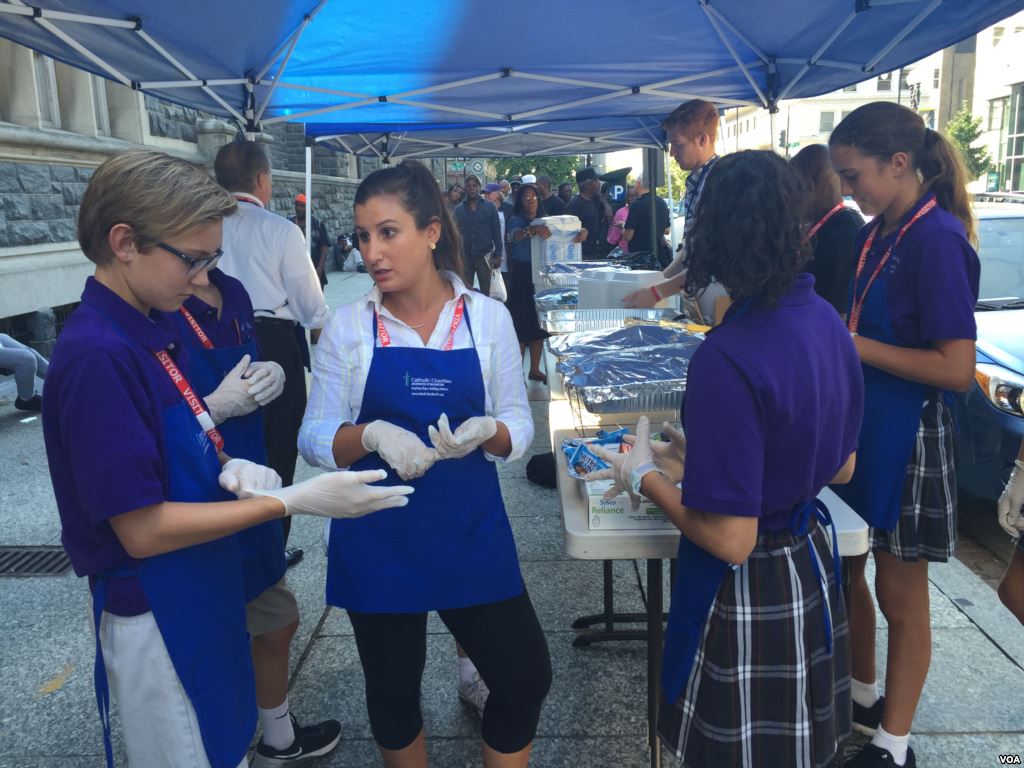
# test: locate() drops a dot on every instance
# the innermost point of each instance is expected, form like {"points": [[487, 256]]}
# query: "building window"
{"points": [[935, 78], [99, 104], [850, 88], [46, 91], [997, 108], [1013, 179], [826, 122], [846, 113], [997, 35], [885, 82], [904, 85]]}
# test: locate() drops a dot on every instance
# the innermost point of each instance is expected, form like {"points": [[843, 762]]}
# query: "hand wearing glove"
{"points": [[401, 449], [231, 397], [670, 457], [337, 494], [1010, 502], [266, 381], [467, 438], [242, 473], [627, 469]]}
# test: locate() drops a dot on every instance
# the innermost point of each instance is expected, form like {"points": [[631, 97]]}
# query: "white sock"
{"points": [[894, 745], [277, 726], [467, 670], [865, 694]]}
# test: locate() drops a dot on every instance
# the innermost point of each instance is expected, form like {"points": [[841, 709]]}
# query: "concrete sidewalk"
{"points": [[972, 710]]}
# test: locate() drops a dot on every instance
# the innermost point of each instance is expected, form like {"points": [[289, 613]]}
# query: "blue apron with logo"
{"points": [[892, 414], [452, 546], [197, 600], [263, 561]]}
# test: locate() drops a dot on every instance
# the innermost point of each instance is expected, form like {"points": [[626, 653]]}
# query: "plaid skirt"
{"points": [[927, 525], [764, 691]]}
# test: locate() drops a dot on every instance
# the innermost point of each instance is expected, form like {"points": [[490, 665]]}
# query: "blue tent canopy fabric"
{"points": [[456, 71]]}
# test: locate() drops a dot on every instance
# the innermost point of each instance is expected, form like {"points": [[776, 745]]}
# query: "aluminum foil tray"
{"points": [[557, 273], [562, 297], [646, 380], [584, 343], [575, 320]]}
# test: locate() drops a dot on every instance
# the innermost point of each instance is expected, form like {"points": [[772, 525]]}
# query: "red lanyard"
{"points": [[822, 222], [858, 302], [385, 338], [201, 334], [201, 414]]}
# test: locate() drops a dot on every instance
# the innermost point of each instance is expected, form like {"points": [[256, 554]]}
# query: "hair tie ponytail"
{"points": [[930, 138]]}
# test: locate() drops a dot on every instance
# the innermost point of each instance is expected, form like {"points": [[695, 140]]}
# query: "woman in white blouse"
{"points": [[423, 376]]}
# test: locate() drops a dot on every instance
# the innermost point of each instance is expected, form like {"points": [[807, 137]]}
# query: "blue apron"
{"points": [[263, 561], [452, 546], [197, 601], [892, 414], [699, 576]]}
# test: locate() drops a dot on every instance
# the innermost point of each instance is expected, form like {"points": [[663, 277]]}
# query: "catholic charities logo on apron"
{"points": [[426, 386]]}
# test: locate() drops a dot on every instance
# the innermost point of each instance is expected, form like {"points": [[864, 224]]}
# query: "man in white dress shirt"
{"points": [[267, 253]]}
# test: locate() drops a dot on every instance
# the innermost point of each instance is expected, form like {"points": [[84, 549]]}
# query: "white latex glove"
{"points": [[466, 439], [266, 381], [1010, 502], [627, 469], [231, 398], [670, 457], [401, 449], [337, 494], [242, 473]]}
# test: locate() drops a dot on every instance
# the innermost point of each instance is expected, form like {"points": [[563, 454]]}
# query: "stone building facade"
{"points": [[57, 124]]}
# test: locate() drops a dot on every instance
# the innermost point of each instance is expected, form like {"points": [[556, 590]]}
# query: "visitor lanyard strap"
{"points": [[822, 222], [190, 397], [201, 334], [460, 308], [858, 301]]}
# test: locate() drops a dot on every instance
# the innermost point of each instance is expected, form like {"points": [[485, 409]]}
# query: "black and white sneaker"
{"points": [[867, 719], [310, 741], [876, 757]]}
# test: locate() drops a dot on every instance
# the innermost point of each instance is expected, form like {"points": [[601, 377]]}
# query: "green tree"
{"points": [[963, 130], [558, 168], [679, 177]]}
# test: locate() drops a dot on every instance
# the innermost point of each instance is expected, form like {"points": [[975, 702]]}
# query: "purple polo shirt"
{"points": [[235, 325], [774, 400], [103, 427], [932, 277]]}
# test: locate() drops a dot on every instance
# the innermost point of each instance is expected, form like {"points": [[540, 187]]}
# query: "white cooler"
{"points": [[605, 289]]}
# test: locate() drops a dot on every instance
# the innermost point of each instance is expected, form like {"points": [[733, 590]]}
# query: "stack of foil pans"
{"points": [[563, 297], [583, 344], [568, 272], [639, 380], [577, 320]]}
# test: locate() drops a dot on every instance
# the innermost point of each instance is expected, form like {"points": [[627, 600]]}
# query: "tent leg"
{"points": [[309, 200]]}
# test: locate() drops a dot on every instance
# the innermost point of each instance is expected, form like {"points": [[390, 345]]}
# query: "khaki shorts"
{"points": [[273, 609]]}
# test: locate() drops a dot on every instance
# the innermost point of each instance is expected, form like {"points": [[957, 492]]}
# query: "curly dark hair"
{"points": [[746, 232]]}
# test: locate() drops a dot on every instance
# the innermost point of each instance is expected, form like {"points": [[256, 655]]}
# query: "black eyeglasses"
{"points": [[195, 266]]}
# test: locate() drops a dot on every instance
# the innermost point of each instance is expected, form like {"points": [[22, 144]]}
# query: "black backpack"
{"points": [[541, 469]]}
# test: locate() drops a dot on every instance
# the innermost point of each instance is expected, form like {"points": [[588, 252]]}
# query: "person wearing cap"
{"points": [[515, 184], [480, 231], [320, 243], [589, 208], [492, 192]]}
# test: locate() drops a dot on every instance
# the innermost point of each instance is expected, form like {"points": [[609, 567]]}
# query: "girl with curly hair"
{"points": [[912, 320], [756, 662]]}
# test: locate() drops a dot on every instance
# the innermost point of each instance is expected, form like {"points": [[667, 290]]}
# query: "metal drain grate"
{"points": [[33, 561]]}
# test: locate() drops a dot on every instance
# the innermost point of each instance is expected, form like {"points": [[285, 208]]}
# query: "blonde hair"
{"points": [[694, 118], [881, 129], [823, 186], [160, 197]]}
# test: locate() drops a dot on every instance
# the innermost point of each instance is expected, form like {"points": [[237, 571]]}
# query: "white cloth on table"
{"points": [[345, 352]]}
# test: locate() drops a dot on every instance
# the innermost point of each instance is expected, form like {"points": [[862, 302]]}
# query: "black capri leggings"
{"points": [[503, 639]]}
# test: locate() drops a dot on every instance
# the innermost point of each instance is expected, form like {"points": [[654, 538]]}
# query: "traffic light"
{"points": [[782, 138]]}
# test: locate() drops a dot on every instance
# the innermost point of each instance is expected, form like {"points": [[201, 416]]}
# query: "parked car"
{"points": [[991, 415]]}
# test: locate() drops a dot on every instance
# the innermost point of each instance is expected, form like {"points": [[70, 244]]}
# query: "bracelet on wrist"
{"points": [[657, 294]]}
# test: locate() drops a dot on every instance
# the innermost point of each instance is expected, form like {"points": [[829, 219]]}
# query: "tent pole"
{"points": [[651, 182], [309, 200], [671, 205]]}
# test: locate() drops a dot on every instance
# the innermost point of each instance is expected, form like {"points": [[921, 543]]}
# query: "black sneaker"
{"points": [[34, 403], [866, 719], [310, 741], [293, 556], [876, 757]]}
